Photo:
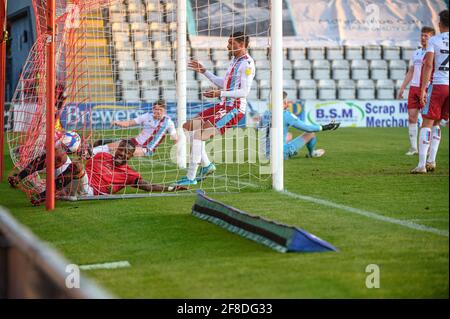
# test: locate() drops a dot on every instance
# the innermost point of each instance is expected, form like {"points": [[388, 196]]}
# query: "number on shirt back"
{"points": [[444, 64]]}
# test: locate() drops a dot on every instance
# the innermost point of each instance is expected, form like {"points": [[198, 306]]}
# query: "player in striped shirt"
{"points": [[155, 127], [232, 90], [413, 78], [435, 102]]}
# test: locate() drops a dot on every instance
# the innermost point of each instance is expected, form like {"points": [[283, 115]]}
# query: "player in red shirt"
{"points": [[105, 174]]}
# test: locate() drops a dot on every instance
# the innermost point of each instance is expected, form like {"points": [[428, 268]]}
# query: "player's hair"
{"points": [[285, 95], [241, 37], [443, 18], [161, 103], [129, 146], [426, 29]]}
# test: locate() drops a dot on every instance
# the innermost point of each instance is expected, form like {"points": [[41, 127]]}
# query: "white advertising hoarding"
{"points": [[355, 113]]}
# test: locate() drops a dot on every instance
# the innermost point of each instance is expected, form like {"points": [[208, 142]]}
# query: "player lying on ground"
{"points": [[233, 90], [65, 168], [292, 147], [105, 174], [414, 77], [155, 126], [435, 101]]}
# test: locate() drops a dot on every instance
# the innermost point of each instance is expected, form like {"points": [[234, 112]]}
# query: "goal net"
{"points": [[114, 60]]}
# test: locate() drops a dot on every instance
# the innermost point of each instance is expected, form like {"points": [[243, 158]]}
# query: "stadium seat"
{"points": [[287, 70], [335, 53], [290, 86], [152, 6], [146, 63], [151, 94], [169, 93], [346, 90], [398, 85], [120, 27], [193, 91], [397, 69], [391, 53], [191, 76], [302, 70], [360, 70], [143, 56], [221, 70], [308, 90], [139, 36], [385, 90], [142, 46], [353, 53], [262, 72], [156, 26], [166, 70], [407, 53], [117, 17], [121, 37], [341, 69], [138, 26], [162, 54], [295, 54], [321, 69], [365, 90], [127, 75], [258, 54], [171, 16], [315, 53], [159, 36], [264, 89], [378, 70], [131, 96], [118, 8], [327, 90], [253, 96], [201, 55], [126, 65], [124, 55], [372, 52], [136, 18], [146, 74], [220, 54]]}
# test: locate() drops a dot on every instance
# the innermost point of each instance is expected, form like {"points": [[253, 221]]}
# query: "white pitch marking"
{"points": [[111, 265], [404, 223]]}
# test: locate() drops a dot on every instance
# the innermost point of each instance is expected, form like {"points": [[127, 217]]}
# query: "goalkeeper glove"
{"points": [[331, 126]]}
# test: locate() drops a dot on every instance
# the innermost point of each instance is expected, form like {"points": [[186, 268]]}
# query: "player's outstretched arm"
{"points": [[123, 123], [198, 67], [148, 187]]}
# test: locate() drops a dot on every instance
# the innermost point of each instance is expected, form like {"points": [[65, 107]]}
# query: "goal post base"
{"points": [[277, 236]]}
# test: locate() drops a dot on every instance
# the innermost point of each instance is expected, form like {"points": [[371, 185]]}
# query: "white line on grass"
{"points": [[404, 223], [111, 265]]}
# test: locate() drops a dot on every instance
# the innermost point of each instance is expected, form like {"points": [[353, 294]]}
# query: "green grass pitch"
{"points": [[174, 255]]}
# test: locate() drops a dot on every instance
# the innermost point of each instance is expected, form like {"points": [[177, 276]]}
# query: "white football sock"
{"points": [[205, 160], [434, 144], [412, 128], [424, 145], [196, 157]]}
